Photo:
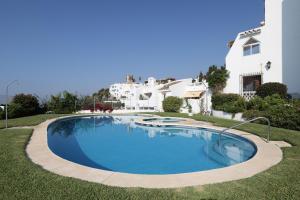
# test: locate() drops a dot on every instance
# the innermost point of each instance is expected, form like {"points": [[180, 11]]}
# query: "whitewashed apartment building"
{"points": [[268, 53], [149, 96]]}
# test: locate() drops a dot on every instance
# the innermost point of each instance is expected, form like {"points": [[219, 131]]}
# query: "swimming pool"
{"points": [[117, 143]]}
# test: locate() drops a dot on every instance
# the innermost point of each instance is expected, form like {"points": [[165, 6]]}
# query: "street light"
{"points": [[6, 117]]}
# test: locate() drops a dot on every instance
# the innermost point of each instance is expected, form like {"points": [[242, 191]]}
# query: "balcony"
{"points": [[248, 94]]}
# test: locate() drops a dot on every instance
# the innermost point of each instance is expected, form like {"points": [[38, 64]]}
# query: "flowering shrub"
{"points": [[101, 107]]}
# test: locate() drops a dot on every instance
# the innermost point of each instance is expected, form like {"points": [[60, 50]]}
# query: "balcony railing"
{"points": [[248, 94]]}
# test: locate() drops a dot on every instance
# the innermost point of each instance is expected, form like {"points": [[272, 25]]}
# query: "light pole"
{"points": [[94, 104], [6, 117]]}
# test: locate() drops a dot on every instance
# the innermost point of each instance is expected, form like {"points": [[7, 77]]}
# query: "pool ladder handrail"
{"points": [[246, 122]]}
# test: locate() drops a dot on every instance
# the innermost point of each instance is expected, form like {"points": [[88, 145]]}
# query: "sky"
{"points": [[83, 45]]}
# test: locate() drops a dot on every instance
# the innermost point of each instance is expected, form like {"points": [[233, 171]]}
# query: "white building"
{"points": [[149, 96], [269, 53]]}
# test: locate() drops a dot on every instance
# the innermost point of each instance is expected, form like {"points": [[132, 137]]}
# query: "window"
{"points": [[251, 47], [247, 50], [251, 83]]}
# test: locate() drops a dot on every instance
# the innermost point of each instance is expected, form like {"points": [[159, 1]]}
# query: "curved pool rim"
{"points": [[267, 155], [213, 162]]}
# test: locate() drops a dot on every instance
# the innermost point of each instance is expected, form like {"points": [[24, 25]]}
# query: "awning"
{"points": [[193, 94]]}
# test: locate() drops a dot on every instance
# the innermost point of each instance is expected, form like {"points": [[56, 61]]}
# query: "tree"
{"points": [[23, 105], [201, 77], [63, 103], [102, 94], [217, 78]]}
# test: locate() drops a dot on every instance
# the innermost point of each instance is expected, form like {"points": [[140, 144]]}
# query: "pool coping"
{"points": [[267, 155]]}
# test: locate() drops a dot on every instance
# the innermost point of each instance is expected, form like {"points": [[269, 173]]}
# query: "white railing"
{"points": [[247, 122], [248, 94]]}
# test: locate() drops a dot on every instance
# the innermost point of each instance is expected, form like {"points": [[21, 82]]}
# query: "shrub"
{"points": [[2, 114], [269, 89], [280, 112], [257, 103], [284, 116], [232, 103], [172, 104], [15, 110], [103, 107], [250, 114]]}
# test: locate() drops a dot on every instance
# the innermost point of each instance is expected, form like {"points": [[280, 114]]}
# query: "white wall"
{"points": [[291, 45], [272, 40], [178, 90], [272, 48], [238, 64]]}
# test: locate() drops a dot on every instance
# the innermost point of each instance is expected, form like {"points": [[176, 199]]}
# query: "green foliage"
{"points": [[23, 105], [15, 110], [231, 103], [280, 112], [257, 103], [284, 116], [217, 78], [172, 104], [269, 89], [62, 103], [102, 94], [201, 77], [250, 114]]}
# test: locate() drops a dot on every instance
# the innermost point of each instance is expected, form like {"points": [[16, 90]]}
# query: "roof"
{"points": [[167, 85]]}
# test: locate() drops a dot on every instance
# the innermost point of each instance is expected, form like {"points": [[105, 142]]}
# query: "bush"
{"points": [[284, 116], [257, 103], [2, 114], [250, 114], [15, 110], [269, 89], [231, 103], [280, 112], [23, 105], [172, 104]]}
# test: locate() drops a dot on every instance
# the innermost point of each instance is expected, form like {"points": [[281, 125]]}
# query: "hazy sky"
{"points": [[82, 46]]}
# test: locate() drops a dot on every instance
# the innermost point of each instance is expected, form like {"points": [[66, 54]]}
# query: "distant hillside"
{"points": [[296, 95]]}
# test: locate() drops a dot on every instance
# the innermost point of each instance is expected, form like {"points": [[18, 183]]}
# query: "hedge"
{"points": [[231, 103], [269, 89], [172, 104]]}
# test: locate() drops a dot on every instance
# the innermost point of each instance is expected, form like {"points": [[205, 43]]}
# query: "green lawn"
{"points": [[21, 179], [28, 121]]}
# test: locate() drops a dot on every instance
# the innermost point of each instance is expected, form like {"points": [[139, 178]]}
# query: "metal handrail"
{"points": [[246, 122]]}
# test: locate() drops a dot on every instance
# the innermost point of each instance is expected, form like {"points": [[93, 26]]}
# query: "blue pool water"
{"points": [[116, 143]]}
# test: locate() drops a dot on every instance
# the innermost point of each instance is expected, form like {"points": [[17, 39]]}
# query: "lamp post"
{"points": [[7, 87], [94, 104]]}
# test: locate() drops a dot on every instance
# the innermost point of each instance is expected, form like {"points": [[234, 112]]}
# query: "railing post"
{"points": [[246, 122]]}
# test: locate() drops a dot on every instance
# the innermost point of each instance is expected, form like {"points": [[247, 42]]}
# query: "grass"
{"points": [[28, 121], [21, 179]]}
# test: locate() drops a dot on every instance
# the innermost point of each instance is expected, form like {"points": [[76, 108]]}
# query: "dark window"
{"points": [[251, 83]]}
